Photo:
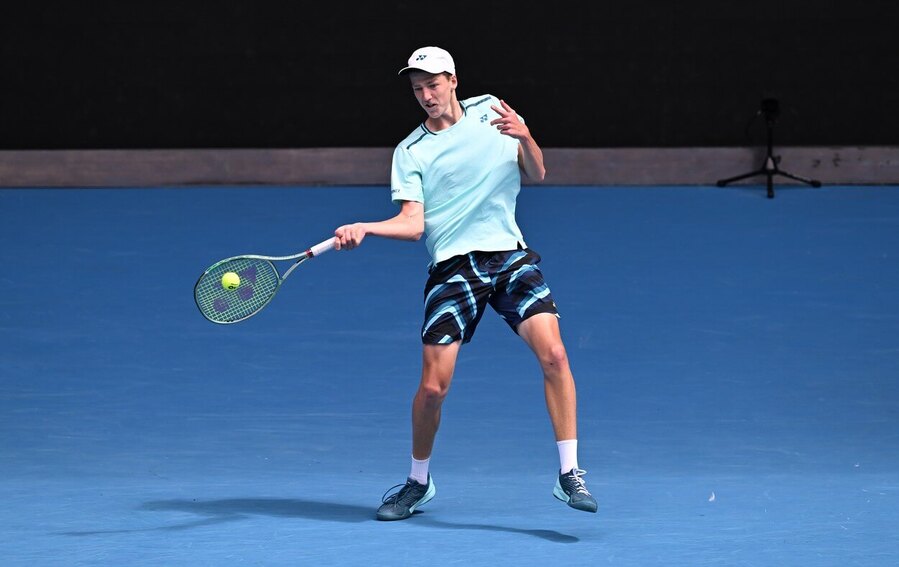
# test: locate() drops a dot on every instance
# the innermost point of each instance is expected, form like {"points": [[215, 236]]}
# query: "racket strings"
{"points": [[259, 281]]}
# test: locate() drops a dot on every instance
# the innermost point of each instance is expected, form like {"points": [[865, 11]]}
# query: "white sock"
{"points": [[420, 470], [567, 455]]}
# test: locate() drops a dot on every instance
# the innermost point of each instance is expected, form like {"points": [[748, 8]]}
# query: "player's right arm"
{"points": [[409, 224]]}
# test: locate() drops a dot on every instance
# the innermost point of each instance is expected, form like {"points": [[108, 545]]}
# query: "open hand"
{"points": [[508, 122]]}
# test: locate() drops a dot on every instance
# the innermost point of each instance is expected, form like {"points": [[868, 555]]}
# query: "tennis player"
{"points": [[456, 179]]}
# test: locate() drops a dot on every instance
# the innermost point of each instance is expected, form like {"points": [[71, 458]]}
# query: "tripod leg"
{"points": [[770, 186], [812, 182], [723, 182]]}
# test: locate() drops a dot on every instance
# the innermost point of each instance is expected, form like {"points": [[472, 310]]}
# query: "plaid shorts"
{"points": [[459, 289]]}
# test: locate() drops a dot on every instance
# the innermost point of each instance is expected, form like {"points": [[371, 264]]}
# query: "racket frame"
{"points": [[300, 257]]}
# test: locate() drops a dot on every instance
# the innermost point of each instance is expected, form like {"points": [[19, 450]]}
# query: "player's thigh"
{"points": [[542, 334], [438, 365]]}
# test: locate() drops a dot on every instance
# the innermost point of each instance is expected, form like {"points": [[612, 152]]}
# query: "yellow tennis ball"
{"points": [[230, 280]]}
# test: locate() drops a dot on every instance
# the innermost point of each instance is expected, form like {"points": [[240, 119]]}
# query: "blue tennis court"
{"points": [[736, 360]]}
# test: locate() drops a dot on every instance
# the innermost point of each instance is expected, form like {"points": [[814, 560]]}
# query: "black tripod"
{"points": [[770, 110]]}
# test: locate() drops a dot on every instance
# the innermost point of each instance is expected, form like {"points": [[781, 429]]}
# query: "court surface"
{"points": [[737, 361]]}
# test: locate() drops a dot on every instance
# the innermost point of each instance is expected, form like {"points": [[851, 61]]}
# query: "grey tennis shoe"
{"points": [[570, 488], [402, 503]]}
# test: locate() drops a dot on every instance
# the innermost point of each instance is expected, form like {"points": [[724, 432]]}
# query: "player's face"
{"points": [[433, 92]]}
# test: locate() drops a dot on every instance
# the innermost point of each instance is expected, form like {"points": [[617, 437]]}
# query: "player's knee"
{"points": [[554, 357], [432, 394]]}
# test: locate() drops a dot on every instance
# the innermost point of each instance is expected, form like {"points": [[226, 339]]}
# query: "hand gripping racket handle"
{"points": [[321, 247]]}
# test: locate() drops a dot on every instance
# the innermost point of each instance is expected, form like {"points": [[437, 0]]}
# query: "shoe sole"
{"points": [[429, 494]]}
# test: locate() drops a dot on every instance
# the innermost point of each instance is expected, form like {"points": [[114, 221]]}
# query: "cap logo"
{"points": [[430, 60]]}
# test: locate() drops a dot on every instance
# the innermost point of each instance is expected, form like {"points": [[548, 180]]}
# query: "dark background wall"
{"points": [[141, 74]]}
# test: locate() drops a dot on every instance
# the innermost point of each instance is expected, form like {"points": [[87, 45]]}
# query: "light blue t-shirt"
{"points": [[467, 178]]}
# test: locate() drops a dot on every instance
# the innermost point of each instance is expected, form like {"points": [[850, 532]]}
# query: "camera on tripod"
{"points": [[770, 109]]}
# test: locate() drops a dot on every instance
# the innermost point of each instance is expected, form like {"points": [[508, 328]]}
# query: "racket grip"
{"points": [[322, 247]]}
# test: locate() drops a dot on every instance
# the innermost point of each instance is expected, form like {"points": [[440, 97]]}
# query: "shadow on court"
{"points": [[277, 507], [234, 509], [550, 535], [170, 528]]}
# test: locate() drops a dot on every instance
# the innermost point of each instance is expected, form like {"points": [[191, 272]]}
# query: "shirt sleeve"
{"points": [[405, 177]]}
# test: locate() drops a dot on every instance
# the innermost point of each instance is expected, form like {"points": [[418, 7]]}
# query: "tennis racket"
{"points": [[259, 282]]}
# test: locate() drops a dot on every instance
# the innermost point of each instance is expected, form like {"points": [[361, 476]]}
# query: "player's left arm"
{"points": [[530, 156]]}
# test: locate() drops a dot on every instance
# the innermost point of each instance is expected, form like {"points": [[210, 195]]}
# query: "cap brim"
{"points": [[407, 69]]}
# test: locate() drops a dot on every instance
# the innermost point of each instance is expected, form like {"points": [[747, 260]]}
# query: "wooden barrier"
{"points": [[371, 166]]}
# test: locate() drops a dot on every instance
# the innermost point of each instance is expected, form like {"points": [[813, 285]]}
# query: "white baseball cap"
{"points": [[431, 60]]}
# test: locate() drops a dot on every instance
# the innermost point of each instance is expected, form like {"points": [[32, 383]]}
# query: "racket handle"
{"points": [[322, 247]]}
